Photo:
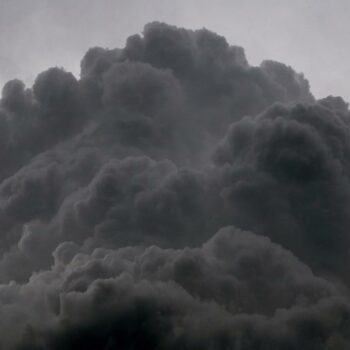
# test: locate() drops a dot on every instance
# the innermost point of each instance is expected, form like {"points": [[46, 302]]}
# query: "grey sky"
{"points": [[310, 35]]}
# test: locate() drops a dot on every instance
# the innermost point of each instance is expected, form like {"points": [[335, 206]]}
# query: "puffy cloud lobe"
{"points": [[144, 109], [94, 64], [31, 199], [139, 88], [36, 119], [295, 86], [61, 109], [17, 115], [145, 102], [184, 51], [213, 73], [210, 71], [16, 99], [137, 200], [97, 61], [37, 189]]}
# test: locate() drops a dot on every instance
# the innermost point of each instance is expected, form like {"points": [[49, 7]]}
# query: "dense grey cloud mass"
{"points": [[173, 197], [286, 173]]}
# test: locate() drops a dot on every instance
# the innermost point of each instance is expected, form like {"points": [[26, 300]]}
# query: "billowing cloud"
{"points": [[286, 172], [238, 288], [173, 197]]}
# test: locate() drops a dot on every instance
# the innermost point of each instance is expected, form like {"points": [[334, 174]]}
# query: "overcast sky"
{"points": [[310, 35]]}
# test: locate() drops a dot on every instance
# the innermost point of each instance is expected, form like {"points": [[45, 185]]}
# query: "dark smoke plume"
{"points": [[173, 197]]}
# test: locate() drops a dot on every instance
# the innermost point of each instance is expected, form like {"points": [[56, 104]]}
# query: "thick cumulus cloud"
{"points": [[137, 196], [237, 290], [285, 173], [173, 197]]}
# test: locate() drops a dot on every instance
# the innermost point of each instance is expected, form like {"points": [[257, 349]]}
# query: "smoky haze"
{"points": [[173, 197]]}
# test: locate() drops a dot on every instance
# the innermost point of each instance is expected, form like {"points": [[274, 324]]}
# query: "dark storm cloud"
{"points": [[225, 293], [212, 73], [286, 174], [113, 186], [38, 118], [60, 103], [137, 200]]}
